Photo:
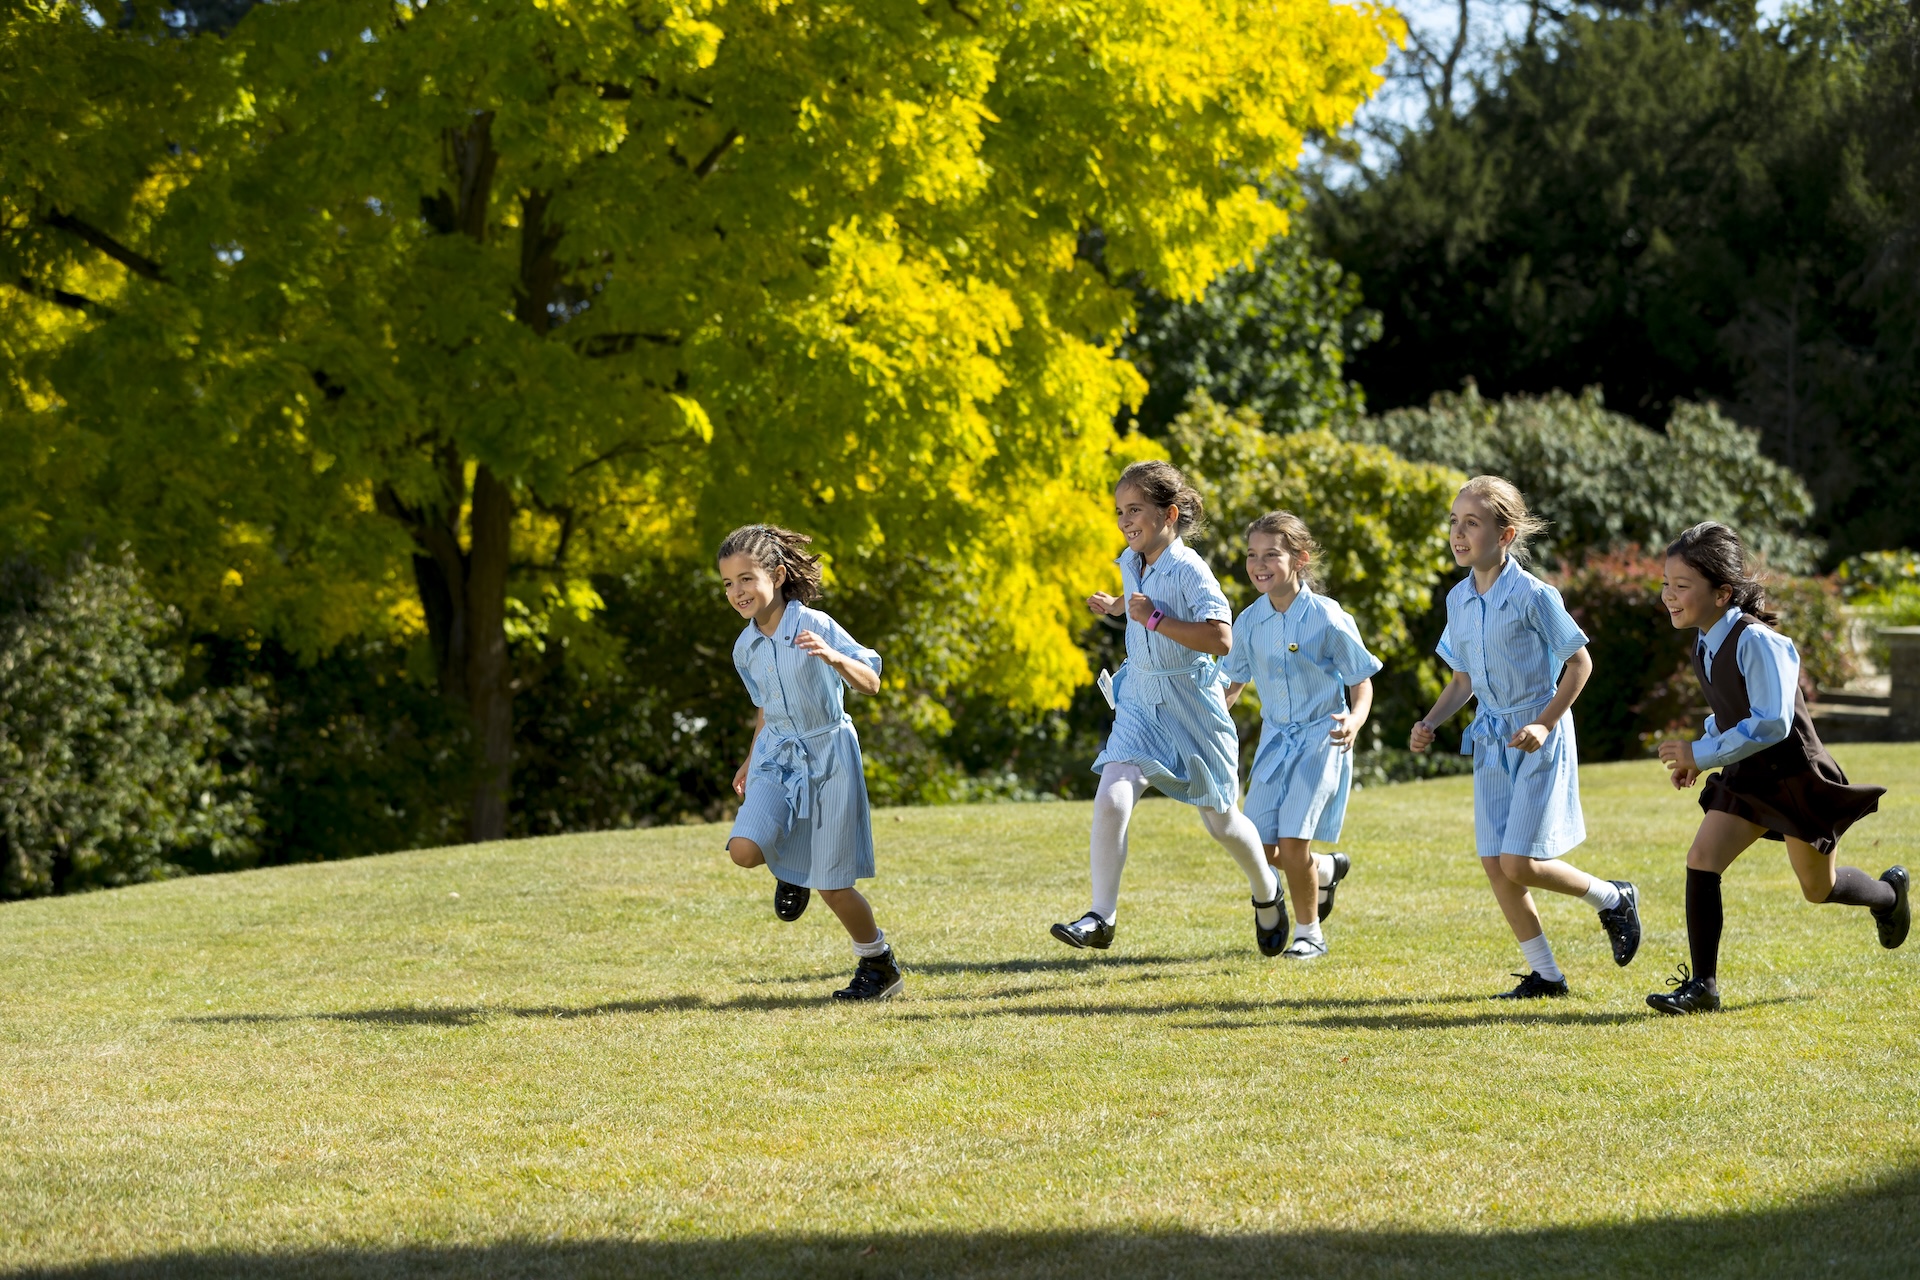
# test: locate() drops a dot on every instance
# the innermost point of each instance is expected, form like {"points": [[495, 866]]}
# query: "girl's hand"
{"points": [[740, 780], [808, 642], [1421, 738], [1139, 607], [1103, 604], [1346, 729], [1531, 738], [1677, 755]]}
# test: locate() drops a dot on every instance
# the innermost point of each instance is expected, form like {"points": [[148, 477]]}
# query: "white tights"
{"points": [[1121, 786]]}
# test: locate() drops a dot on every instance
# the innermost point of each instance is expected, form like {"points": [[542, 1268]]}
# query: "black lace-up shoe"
{"points": [[1341, 865], [1271, 941], [1534, 987], [1622, 923], [1689, 995], [1895, 920], [1088, 931], [790, 900], [874, 978]]}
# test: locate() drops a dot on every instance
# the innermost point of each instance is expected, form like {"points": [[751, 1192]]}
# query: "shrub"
{"points": [[106, 778]]}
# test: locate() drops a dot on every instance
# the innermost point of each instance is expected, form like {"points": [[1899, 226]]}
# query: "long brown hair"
{"points": [[1508, 507], [1162, 485], [1716, 553], [771, 547]]}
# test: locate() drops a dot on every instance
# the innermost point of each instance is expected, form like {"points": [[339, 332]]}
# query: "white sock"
{"points": [[1540, 955], [868, 950], [1121, 786], [1311, 932], [1323, 869], [1600, 894], [1239, 837]]}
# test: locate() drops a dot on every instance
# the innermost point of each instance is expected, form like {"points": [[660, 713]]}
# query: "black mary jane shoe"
{"points": [[1271, 941], [1341, 865], [1534, 987], [1088, 931], [874, 978], [1689, 995], [1894, 921], [790, 900], [1622, 923]]}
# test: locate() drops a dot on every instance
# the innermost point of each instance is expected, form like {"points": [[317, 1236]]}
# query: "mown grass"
{"points": [[604, 1056]]}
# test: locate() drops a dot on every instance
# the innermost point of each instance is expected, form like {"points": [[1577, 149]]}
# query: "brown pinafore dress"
{"points": [[1792, 788]]}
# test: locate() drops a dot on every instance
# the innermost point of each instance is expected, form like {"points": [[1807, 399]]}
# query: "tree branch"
{"points": [[139, 264], [600, 345], [61, 298], [712, 157]]}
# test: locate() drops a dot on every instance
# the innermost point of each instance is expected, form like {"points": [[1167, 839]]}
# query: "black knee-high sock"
{"points": [[1853, 887], [1705, 919]]}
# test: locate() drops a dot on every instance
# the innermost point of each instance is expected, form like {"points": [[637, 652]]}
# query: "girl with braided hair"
{"points": [[1776, 780], [803, 812]]}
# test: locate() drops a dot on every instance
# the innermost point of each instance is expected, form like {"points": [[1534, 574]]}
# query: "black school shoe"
{"points": [[1689, 995], [1895, 920], [790, 900], [1088, 931], [874, 978], [1341, 865], [1534, 987], [1270, 941], [1622, 923]]}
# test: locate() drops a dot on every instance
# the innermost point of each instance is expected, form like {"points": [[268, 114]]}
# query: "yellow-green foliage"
{"points": [[1381, 521], [803, 261]]}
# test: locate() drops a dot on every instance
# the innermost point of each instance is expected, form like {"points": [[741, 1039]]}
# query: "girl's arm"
{"points": [[1347, 724], [1209, 635], [740, 774], [1572, 680], [859, 676], [1451, 699], [1233, 692]]}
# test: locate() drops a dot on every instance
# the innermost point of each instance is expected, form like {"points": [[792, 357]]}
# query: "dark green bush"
{"points": [[106, 776]]}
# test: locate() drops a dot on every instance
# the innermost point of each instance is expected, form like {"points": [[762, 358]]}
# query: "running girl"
{"points": [[1513, 647], [804, 811], [1776, 780], [1314, 675], [1171, 729]]}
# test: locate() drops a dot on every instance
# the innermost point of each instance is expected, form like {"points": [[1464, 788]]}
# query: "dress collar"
{"points": [[1503, 586], [1296, 610], [1140, 562]]}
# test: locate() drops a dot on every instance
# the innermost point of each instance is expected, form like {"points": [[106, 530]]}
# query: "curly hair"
{"points": [[771, 547], [1162, 485]]}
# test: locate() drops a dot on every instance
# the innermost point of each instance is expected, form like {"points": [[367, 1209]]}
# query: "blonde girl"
{"points": [[1304, 654], [803, 812], [1514, 648], [1171, 729]]}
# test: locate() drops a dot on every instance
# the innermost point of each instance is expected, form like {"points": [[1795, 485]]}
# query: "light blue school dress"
{"points": [[806, 801], [1302, 662], [1170, 716], [1513, 642]]}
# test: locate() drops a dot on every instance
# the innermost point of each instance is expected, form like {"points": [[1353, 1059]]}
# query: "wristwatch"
{"points": [[1154, 620]]}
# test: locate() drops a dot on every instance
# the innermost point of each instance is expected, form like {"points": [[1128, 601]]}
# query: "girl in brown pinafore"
{"points": [[1776, 780]]}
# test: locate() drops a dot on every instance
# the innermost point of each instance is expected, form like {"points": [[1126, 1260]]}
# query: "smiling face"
{"points": [[1272, 565], [1691, 600], [753, 592], [1477, 539], [1147, 528]]}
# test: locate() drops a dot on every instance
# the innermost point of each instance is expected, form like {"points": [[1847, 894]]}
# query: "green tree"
{"points": [[1604, 481], [1273, 337], [366, 314], [1673, 203], [106, 777]]}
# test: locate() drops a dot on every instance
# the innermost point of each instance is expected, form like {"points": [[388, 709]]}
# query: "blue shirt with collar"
{"points": [[800, 694], [1770, 665], [1512, 641], [1302, 661]]}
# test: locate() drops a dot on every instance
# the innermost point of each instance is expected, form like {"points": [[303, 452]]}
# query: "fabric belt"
{"points": [[1497, 725], [788, 752]]}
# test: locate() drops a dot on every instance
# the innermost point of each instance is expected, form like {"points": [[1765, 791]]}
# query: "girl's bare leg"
{"points": [[1303, 879], [1516, 904], [1550, 874], [745, 853], [853, 911]]}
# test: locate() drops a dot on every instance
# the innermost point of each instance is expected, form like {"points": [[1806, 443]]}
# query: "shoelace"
{"points": [[1681, 978]]}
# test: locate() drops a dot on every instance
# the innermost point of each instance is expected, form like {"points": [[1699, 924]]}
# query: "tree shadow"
{"points": [[1872, 1231]]}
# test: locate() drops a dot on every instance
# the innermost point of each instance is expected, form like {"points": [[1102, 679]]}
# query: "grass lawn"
{"points": [[602, 1055]]}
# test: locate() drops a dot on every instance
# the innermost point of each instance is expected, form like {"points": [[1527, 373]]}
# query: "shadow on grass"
{"points": [[1078, 962], [1870, 1232]]}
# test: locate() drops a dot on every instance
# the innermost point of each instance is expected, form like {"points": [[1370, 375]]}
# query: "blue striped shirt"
{"points": [[1771, 667], [1181, 586], [1512, 642], [1302, 661]]}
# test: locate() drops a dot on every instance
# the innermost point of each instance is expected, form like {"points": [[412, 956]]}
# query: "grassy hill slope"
{"points": [[604, 1056]]}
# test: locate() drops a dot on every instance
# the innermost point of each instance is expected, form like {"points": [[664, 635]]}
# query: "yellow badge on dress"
{"points": [[1293, 648]]}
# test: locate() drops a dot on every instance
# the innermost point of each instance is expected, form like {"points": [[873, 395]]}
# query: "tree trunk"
{"points": [[489, 679]]}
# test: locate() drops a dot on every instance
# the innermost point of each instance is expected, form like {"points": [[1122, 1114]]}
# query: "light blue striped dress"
{"points": [[806, 801], [1513, 642], [1302, 662], [1170, 715]]}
